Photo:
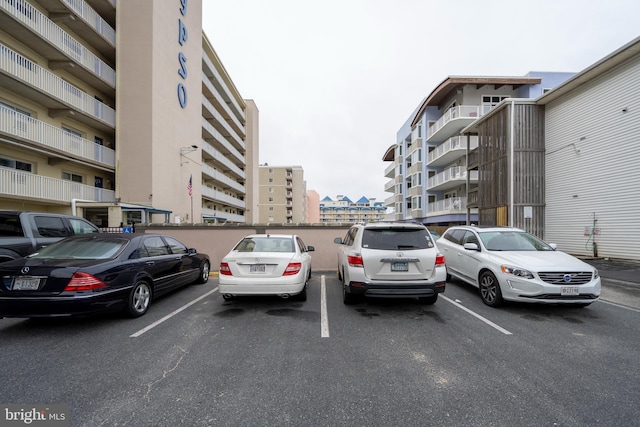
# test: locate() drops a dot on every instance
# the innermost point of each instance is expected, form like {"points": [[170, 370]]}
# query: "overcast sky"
{"points": [[334, 80]]}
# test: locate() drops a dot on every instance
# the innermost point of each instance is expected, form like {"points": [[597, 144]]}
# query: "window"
{"points": [[175, 246], [154, 246], [69, 176], [490, 101], [82, 227], [51, 226], [16, 164]]}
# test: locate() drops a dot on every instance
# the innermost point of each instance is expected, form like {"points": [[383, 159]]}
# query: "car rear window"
{"points": [[83, 249], [265, 244], [10, 226], [396, 238]]}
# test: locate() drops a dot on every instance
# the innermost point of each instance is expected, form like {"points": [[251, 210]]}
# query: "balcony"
{"points": [[473, 161], [450, 178], [61, 98], [215, 138], [27, 24], [456, 205], [390, 171], [453, 121], [210, 153], [212, 115], [222, 216], [452, 149], [42, 135], [222, 179], [82, 19], [215, 83], [222, 198], [29, 186], [390, 186]]}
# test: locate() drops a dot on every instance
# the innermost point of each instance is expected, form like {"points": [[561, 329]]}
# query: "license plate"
{"points": [[570, 290], [400, 266], [257, 268], [26, 284]]}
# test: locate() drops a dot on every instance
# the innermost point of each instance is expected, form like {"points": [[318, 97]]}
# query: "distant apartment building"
{"points": [[343, 210], [313, 207], [428, 175], [166, 138], [283, 195]]}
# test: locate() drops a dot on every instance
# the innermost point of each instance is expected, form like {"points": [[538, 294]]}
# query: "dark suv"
{"points": [[390, 259]]}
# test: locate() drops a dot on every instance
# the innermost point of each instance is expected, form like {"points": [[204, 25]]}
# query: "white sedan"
{"points": [[266, 264], [510, 264]]}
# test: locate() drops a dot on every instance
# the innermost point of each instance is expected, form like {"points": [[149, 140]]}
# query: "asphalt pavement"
{"points": [[617, 269]]}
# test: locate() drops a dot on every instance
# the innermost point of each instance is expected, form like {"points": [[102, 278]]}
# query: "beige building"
{"points": [[106, 113], [283, 195], [313, 207]]}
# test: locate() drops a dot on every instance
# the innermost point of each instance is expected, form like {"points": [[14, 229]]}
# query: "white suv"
{"points": [[390, 259]]}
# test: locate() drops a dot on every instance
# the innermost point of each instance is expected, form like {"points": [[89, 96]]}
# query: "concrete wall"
{"points": [[217, 240]]}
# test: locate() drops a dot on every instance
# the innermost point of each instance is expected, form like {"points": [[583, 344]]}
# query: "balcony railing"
{"points": [[450, 150], [27, 185], [221, 140], [462, 114], [223, 198], [47, 136], [447, 206], [217, 155], [219, 176], [83, 10], [222, 216], [31, 17], [34, 75], [450, 178]]}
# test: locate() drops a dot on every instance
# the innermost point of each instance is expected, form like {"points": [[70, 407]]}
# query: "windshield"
{"points": [[396, 238], [87, 248], [512, 241]]}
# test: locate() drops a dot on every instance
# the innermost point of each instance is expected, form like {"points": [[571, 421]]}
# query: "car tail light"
{"points": [[225, 270], [84, 282], [292, 269], [439, 259], [355, 260]]}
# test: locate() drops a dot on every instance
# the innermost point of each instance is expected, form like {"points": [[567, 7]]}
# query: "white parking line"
{"points": [[474, 314], [324, 321], [619, 305], [170, 315]]}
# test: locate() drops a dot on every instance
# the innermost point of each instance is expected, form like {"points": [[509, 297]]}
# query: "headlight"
{"points": [[596, 274], [516, 271]]}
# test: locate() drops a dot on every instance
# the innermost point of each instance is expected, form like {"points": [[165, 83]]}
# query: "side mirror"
{"points": [[471, 247], [192, 251], [310, 249], [553, 246], [338, 240]]}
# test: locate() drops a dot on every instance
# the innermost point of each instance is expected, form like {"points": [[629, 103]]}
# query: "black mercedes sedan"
{"points": [[87, 274]]}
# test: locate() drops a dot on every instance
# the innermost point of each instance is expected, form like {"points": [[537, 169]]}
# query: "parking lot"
{"points": [[195, 359]]}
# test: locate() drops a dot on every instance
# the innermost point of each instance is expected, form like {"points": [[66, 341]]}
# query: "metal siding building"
{"points": [[592, 151]]}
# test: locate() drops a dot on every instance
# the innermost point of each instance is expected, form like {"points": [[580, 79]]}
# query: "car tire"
{"points": [[227, 297], [302, 296], [205, 269], [429, 300], [139, 299], [348, 298], [490, 290]]}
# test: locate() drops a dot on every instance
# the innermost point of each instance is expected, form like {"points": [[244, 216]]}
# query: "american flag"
{"points": [[190, 186]]}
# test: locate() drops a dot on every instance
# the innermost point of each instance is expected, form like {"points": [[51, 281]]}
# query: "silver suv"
{"points": [[390, 259]]}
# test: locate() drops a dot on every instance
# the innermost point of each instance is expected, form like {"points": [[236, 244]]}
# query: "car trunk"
{"points": [[261, 264], [398, 265]]}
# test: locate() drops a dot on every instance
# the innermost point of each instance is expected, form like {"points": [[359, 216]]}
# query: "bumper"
{"points": [[544, 293], [233, 285], [395, 289], [76, 304]]}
